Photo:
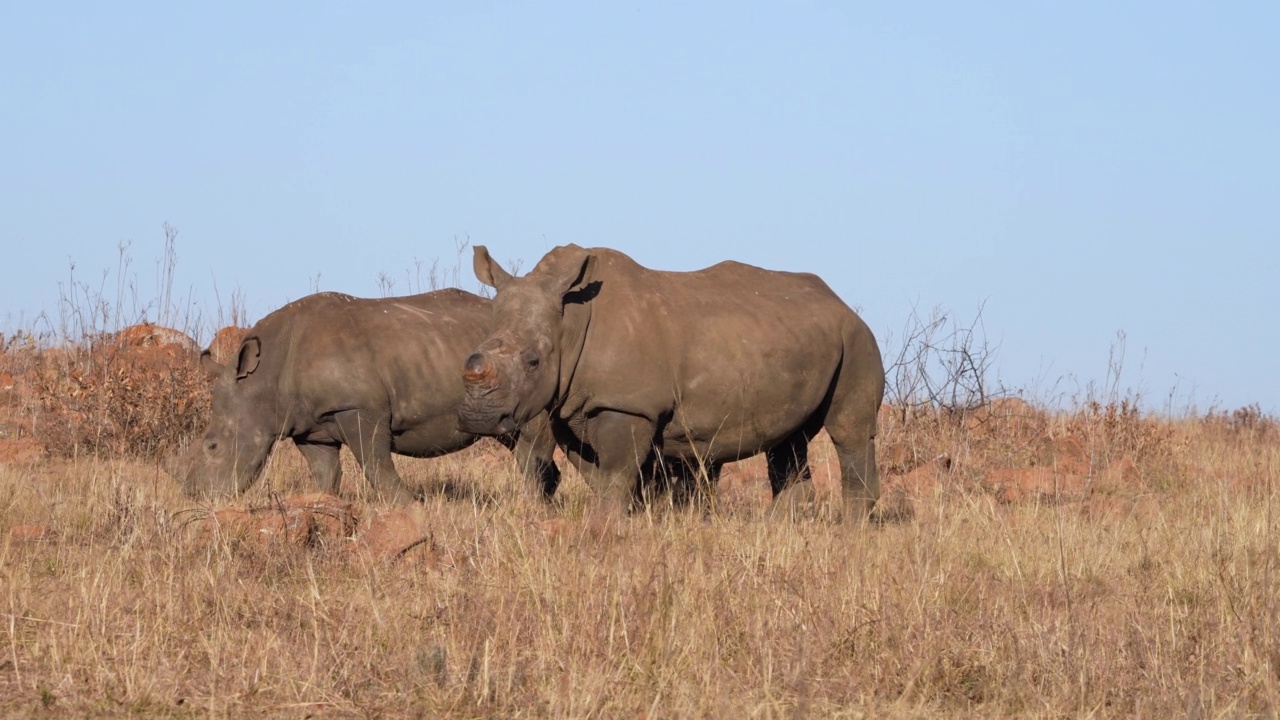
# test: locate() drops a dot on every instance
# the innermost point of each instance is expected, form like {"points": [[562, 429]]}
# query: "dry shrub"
{"points": [[117, 400], [91, 383], [1118, 431], [1247, 424]]}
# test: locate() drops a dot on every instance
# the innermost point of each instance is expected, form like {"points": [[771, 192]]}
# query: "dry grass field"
{"points": [[1089, 562]]}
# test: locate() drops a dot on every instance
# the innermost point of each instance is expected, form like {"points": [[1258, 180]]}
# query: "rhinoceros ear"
{"points": [[488, 271], [574, 268], [209, 365], [247, 361]]}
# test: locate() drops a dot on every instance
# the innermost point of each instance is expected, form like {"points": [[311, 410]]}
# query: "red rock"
{"points": [[1070, 454], [896, 456], [21, 451], [1114, 508], [227, 522], [1009, 417], [920, 479], [151, 335], [30, 533], [1122, 473], [557, 529], [1013, 485], [329, 514], [296, 520], [393, 534], [226, 343]]}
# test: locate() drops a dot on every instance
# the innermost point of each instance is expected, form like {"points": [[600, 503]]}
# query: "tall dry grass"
{"points": [[1163, 602], [1091, 560]]}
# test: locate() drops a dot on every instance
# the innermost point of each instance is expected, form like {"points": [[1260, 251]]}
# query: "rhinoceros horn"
{"points": [[478, 372]]}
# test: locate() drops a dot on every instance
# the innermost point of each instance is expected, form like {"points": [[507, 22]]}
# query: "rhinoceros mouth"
{"points": [[487, 425], [505, 425]]}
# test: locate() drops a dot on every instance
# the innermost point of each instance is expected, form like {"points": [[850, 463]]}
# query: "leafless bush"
{"points": [[940, 362], [118, 401]]}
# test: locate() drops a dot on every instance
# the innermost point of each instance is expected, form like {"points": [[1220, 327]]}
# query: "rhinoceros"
{"points": [[707, 367], [377, 375]]}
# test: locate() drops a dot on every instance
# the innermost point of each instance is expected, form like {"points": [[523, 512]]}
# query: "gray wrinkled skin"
{"points": [[702, 367], [377, 375]]}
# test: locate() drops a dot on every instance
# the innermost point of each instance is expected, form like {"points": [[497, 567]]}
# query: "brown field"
{"points": [[1090, 562]]}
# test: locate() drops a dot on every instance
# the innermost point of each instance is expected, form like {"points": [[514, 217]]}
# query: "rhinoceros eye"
{"points": [[531, 360], [212, 445]]}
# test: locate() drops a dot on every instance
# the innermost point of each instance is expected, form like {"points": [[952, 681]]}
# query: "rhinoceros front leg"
{"points": [[369, 438], [324, 462], [621, 445], [534, 451]]}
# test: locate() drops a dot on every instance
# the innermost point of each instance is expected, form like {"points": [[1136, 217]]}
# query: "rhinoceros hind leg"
{"points": [[325, 466], [793, 491], [370, 441], [788, 462], [859, 479]]}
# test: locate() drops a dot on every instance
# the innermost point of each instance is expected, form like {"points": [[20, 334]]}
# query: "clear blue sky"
{"points": [[1080, 168]]}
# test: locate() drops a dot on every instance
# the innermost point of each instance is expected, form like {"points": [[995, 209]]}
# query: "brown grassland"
{"points": [[1095, 561]]}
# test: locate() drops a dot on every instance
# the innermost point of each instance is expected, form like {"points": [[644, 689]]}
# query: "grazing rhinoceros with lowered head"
{"points": [[709, 367], [377, 375]]}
